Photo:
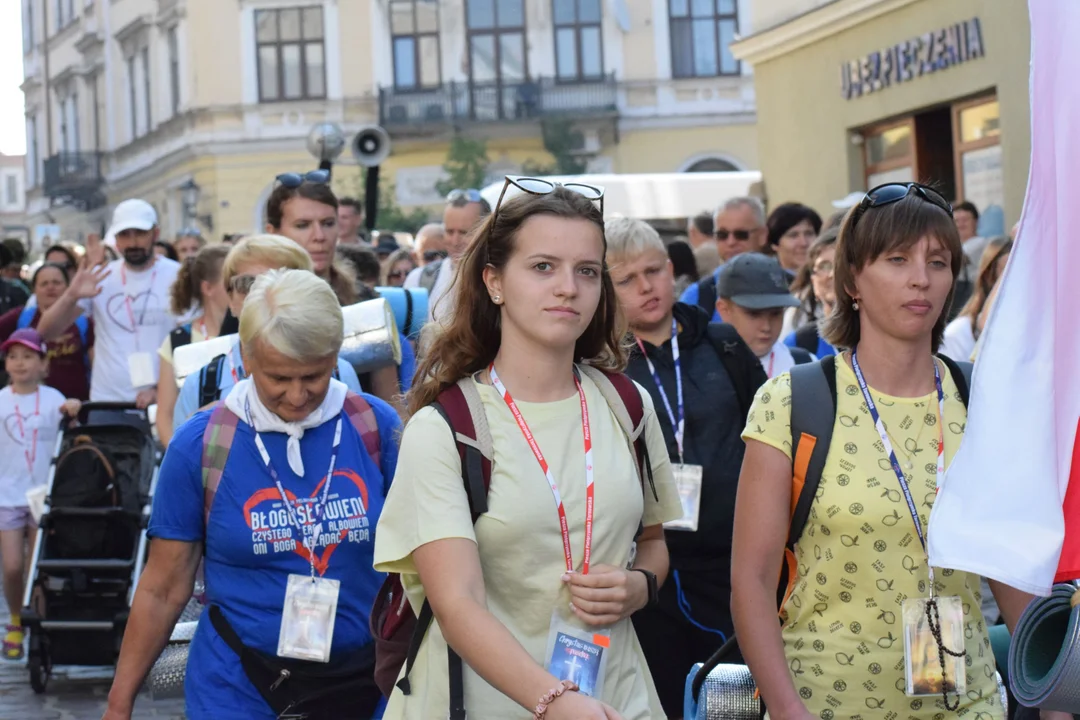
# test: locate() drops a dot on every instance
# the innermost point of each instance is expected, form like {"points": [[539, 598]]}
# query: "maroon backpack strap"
{"points": [[362, 417], [462, 409], [624, 399]]}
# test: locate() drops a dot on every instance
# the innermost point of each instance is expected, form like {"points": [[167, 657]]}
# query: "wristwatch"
{"points": [[650, 580]]}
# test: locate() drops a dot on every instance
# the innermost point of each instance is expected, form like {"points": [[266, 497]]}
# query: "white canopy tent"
{"points": [[655, 196]]}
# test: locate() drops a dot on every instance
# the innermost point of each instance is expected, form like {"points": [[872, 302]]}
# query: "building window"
{"points": [[11, 191], [32, 156], [291, 54], [701, 33], [28, 26], [496, 40], [414, 30], [65, 13], [144, 59], [133, 105], [579, 49], [174, 70], [69, 124]]}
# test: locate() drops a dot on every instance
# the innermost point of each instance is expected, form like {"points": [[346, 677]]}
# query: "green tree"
{"points": [[393, 217], [560, 140], [466, 165]]}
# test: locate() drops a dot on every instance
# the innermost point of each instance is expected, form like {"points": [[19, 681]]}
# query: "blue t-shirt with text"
{"points": [[252, 547]]}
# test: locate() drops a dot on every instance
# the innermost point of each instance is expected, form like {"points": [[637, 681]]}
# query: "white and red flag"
{"points": [[1010, 506]]}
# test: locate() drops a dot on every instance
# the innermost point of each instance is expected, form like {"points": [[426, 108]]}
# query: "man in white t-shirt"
{"points": [[129, 302], [464, 211], [752, 292]]}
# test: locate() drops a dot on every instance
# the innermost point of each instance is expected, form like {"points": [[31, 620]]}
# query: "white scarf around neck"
{"points": [[244, 396]]}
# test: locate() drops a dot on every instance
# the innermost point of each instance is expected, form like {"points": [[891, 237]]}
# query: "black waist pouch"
{"points": [[304, 690]]}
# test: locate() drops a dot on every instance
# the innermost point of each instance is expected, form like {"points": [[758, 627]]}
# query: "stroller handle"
{"points": [[111, 407]]}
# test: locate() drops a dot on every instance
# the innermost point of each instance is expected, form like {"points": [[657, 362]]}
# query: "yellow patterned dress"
{"points": [[860, 557]]}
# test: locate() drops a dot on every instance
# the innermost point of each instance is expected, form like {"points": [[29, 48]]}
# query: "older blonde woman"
{"points": [[248, 259], [297, 468]]}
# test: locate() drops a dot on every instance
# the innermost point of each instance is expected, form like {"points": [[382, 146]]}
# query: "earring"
{"points": [[496, 299], [855, 305]]}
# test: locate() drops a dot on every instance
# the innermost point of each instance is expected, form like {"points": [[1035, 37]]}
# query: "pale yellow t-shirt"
{"points": [[165, 351], [860, 556], [520, 544]]}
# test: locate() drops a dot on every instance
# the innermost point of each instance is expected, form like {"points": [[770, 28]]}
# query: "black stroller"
{"points": [[91, 544]]}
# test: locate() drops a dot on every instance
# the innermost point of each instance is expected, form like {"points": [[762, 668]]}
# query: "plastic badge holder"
{"points": [[307, 622], [688, 483], [579, 656], [922, 665]]}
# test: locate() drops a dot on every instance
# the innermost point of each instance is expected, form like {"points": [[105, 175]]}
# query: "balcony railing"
{"points": [[463, 102], [74, 176]]}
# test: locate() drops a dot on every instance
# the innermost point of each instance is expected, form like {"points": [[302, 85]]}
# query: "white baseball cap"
{"points": [[133, 214]]}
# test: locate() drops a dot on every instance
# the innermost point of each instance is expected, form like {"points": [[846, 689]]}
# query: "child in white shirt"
{"points": [[31, 414]]}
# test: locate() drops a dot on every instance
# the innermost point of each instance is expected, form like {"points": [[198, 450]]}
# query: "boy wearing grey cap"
{"points": [[752, 292]]}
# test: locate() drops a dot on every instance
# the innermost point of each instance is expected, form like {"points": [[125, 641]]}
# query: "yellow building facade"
{"points": [[196, 106], [854, 93]]}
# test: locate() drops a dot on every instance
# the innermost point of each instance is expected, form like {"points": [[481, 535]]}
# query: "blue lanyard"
{"points": [[678, 422], [888, 444], [312, 530]]}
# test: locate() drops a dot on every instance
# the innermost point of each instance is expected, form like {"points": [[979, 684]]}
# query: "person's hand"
{"points": [[1054, 715], [112, 713], [87, 281], [145, 398], [575, 706], [607, 594], [95, 250], [71, 408]]}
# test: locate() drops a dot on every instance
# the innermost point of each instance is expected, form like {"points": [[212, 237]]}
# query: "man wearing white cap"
{"points": [[129, 302]]}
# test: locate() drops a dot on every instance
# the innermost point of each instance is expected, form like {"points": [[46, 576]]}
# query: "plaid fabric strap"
{"points": [[221, 431]]}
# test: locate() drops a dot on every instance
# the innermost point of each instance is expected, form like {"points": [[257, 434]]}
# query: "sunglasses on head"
{"points": [[890, 193], [742, 235], [464, 194], [539, 186], [432, 255], [293, 180]]}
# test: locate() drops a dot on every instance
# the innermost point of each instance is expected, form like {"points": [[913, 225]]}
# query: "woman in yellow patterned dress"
{"points": [[840, 652]]}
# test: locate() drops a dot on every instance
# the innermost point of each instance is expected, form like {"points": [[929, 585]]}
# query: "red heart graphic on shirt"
{"points": [[143, 305], [321, 562]]}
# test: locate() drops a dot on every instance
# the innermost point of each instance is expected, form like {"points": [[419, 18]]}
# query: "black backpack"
{"points": [[85, 478], [706, 294], [741, 364]]}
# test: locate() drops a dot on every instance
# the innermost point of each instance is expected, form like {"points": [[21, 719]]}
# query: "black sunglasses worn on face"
{"points": [[742, 235], [539, 186], [890, 193], [293, 180], [432, 255]]}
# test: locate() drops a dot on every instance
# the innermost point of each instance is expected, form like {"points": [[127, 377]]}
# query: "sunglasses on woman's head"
{"points": [[539, 186], [294, 180], [890, 193]]}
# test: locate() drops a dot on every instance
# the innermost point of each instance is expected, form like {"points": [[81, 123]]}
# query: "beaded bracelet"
{"points": [[549, 697]]}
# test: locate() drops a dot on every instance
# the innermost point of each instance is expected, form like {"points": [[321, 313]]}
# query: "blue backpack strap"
{"points": [[26, 317], [82, 324]]}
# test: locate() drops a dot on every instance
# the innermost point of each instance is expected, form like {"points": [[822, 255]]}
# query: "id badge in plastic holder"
{"points": [[141, 370], [577, 655], [307, 621], [688, 483], [922, 664]]}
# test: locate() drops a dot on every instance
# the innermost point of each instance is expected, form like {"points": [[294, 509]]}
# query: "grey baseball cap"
{"points": [[755, 282]]}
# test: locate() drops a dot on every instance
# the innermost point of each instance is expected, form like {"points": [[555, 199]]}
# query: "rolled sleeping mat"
{"points": [[1044, 661], [726, 693], [193, 357], [166, 678], [371, 337], [410, 308]]}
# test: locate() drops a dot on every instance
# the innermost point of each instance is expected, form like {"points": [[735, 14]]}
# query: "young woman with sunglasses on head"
{"points": [[534, 303], [899, 422]]}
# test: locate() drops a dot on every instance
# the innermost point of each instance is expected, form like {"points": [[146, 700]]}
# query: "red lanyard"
{"points": [[772, 359], [589, 490], [29, 454], [127, 301]]}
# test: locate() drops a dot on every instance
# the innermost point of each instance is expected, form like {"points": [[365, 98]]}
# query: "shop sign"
{"points": [[924, 55]]}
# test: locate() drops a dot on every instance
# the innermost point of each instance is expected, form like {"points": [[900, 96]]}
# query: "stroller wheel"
{"points": [[39, 663]]}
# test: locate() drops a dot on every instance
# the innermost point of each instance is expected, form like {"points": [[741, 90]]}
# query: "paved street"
{"points": [[73, 694]]}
